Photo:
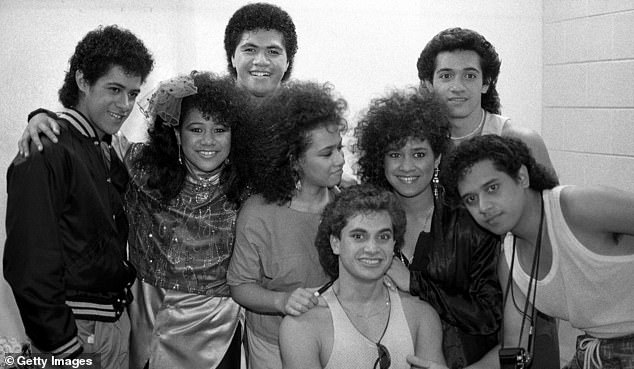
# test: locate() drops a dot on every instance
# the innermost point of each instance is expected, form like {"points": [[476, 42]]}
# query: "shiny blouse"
{"points": [[455, 269], [184, 245]]}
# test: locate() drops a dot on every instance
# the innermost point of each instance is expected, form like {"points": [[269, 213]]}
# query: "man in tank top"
{"points": [[360, 323], [570, 253], [462, 68]]}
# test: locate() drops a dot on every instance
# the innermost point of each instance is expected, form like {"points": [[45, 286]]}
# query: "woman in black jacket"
{"points": [[447, 259]]}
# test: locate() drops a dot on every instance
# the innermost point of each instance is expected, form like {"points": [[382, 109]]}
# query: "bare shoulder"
{"points": [[588, 205], [312, 320], [528, 135], [306, 340], [533, 140]]}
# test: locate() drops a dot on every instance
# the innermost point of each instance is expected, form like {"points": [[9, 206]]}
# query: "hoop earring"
{"points": [[435, 182]]}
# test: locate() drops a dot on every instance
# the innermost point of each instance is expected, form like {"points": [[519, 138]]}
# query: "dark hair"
{"points": [[279, 134], [218, 98], [464, 39], [507, 155], [257, 16], [352, 201], [99, 51], [390, 121]]}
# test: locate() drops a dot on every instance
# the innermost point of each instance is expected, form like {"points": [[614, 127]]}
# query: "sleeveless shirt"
{"points": [[350, 349], [593, 292], [494, 124]]}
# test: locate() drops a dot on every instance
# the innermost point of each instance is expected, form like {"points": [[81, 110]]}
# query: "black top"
{"points": [[455, 269]]}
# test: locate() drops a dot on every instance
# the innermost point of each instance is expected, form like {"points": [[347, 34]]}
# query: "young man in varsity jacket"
{"points": [[65, 254]]}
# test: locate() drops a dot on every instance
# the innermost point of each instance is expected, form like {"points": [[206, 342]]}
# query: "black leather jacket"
{"points": [[455, 269]]}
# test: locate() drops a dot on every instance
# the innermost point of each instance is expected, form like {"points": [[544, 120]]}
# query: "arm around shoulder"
{"points": [[534, 141]]}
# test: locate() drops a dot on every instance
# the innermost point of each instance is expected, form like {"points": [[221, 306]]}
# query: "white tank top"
{"points": [[494, 124], [352, 350], [595, 293]]}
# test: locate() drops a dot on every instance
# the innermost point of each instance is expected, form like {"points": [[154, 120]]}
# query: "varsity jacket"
{"points": [[65, 253]]}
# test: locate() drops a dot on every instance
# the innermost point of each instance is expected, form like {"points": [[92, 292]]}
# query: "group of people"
{"points": [[457, 249]]}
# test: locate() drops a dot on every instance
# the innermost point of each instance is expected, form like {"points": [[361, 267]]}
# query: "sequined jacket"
{"points": [[185, 244]]}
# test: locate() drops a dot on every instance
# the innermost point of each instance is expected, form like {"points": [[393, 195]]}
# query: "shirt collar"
{"points": [[82, 124]]}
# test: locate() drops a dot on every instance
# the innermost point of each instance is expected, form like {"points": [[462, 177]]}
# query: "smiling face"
{"points": [[366, 246], [409, 169], [494, 199], [205, 143], [322, 163], [108, 102], [260, 61], [458, 81]]}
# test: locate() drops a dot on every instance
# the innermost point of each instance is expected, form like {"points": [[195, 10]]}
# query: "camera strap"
{"points": [[532, 287]]}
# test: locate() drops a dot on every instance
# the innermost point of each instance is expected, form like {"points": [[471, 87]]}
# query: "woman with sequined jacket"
{"points": [[182, 206], [447, 259]]}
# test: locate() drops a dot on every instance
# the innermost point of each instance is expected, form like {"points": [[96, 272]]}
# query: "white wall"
{"points": [[588, 98], [363, 47], [589, 91]]}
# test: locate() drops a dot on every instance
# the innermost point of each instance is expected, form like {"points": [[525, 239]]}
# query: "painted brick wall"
{"points": [[588, 98], [588, 90]]}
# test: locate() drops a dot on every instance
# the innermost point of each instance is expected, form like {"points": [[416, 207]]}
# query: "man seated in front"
{"points": [[360, 323]]}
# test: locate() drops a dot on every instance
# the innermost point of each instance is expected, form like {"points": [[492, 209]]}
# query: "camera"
{"points": [[513, 358]]}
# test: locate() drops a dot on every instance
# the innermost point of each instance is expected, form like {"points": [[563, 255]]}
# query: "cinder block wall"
{"points": [[588, 98], [588, 90]]}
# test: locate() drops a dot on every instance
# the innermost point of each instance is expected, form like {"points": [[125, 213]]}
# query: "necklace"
{"points": [[387, 323], [369, 315], [475, 130], [203, 187]]}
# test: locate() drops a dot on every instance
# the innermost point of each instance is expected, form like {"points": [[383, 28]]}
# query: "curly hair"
{"points": [[352, 201], [277, 136], [390, 121], [507, 155], [464, 39], [217, 98], [99, 51], [260, 16]]}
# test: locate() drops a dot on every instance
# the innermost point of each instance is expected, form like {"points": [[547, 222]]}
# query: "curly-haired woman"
{"points": [[182, 205], [451, 261], [292, 153]]}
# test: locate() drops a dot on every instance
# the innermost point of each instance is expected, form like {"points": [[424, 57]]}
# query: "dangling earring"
{"points": [[178, 142], [298, 185], [435, 181], [227, 161]]}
